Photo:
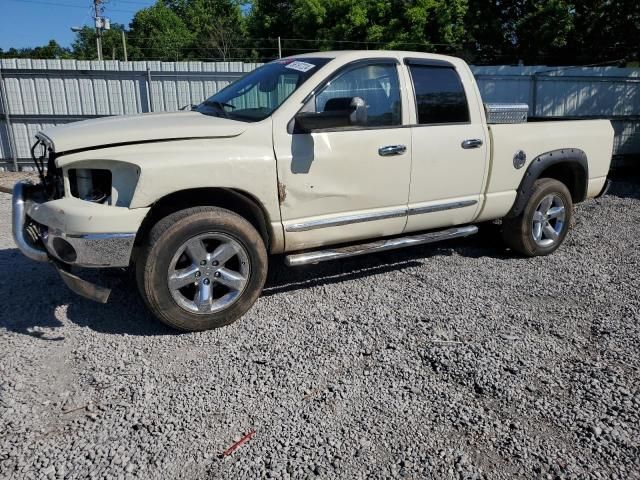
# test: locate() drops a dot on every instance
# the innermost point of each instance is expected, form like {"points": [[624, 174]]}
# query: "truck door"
{"points": [[349, 183], [449, 146]]}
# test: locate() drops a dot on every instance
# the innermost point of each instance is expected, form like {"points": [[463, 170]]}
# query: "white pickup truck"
{"points": [[320, 157]]}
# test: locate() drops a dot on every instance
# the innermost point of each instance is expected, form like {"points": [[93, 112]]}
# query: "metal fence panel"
{"points": [[583, 91], [51, 92], [42, 93]]}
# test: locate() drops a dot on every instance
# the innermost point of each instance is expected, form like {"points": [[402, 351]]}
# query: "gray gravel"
{"points": [[448, 361]]}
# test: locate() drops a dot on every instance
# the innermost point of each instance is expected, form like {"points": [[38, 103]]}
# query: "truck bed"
{"points": [[594, 137]]}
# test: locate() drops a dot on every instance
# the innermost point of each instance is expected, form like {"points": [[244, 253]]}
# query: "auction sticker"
{"points": [[300, 66]]}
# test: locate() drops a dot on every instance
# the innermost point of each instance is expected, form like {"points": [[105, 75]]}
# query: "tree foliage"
{"points": [[553, 31], [606, 30], [85, 47], [218, 27], [50, 50], [482, 31], [159, 33], [376, 23]]}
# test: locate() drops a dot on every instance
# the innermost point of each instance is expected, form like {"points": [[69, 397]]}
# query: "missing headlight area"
{"points": [[92, 185]]}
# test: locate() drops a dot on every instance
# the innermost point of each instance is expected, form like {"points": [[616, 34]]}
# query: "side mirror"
{"points": [[338, 112]]}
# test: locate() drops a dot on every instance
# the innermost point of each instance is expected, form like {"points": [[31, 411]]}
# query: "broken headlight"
{"points": [[92, 185]]}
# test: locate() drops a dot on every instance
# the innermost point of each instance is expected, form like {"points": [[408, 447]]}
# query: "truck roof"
{"points": [[356, 54]]}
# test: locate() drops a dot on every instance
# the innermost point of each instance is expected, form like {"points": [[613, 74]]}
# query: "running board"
{"points": [[318, 256]]}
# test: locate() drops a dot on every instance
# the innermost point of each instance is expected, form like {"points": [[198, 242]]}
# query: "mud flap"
{"points": [[605, 189], [84, 288]]}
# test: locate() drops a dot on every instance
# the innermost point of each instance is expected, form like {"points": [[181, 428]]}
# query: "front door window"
{"points": [[376, 84]]}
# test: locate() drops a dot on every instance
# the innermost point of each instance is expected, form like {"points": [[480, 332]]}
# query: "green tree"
{"points": [[483, 31], [84, 47], [420, 24], [217, 26], [271, 19], [606, 30], [50, 50], [436, 25], [543, 31], [158, 33], [491, 30], [507, 31]]}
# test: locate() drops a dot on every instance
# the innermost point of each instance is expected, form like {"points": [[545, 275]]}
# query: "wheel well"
{"points": [[236, 201], [572, 175], [567, 165]]}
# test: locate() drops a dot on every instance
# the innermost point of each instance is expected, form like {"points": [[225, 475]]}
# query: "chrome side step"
{"points": [[318, 256]]}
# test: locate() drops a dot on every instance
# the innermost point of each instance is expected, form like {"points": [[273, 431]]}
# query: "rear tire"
{"points": [[544, 222], [201, 268]]}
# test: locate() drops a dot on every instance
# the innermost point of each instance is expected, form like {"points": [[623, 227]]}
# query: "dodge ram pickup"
{"points": [[318, 157]]}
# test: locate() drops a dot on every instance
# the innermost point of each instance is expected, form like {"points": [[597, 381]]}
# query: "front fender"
{"points": [[244, 163]]}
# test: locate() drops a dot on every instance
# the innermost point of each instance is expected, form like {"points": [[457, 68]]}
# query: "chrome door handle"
{"points": [[472, 143], [392, 150]]}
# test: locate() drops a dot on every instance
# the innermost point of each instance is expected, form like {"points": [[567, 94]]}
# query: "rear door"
{"points": [[449, 146]]}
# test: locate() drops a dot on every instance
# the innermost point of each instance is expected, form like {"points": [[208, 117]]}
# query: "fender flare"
{"points": [[574, 158]]}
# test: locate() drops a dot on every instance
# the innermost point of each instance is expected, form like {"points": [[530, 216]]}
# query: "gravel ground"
{"points": [[8, 179], [448, 361]]}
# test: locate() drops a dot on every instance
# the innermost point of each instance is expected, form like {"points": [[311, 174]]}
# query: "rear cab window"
{"points": [[439, 94]]}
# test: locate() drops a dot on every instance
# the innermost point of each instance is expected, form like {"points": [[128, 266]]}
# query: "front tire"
{"points": [[544, 222], [201, 268]]}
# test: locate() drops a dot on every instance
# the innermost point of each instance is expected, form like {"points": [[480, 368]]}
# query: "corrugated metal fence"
{"points": [[42, 93], [571, 93]]}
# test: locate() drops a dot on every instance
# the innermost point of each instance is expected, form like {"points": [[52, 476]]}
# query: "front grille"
{"points": [[34, 232]]}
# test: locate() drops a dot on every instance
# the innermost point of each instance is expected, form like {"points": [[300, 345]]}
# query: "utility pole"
{"points": [[124, 45], [102, 23], [98, 23], [279, 48]]}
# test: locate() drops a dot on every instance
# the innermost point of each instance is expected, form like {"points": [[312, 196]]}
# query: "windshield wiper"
{"points": [[220, 106]]}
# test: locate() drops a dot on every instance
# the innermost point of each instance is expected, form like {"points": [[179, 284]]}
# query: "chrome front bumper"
{"points": [[45, 243], [92, 250], [97, 250], [18, 220]]}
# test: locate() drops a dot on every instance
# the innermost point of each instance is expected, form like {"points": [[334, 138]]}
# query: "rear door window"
{"points": [[440, 96]]}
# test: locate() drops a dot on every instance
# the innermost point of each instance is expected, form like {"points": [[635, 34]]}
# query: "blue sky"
{"points": [[29, 23]]}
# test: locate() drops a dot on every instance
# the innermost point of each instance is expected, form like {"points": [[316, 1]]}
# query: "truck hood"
{"points": [[131, 129]]}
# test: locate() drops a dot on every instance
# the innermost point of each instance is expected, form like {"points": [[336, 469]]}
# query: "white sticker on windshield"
{"points": [[300, 66]]}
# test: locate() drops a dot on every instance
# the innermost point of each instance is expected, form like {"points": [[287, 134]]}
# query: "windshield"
{"points": [[258, 94]]}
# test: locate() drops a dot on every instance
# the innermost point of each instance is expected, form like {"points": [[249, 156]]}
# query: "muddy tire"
{"points": [[544, 222], [201, 268]]}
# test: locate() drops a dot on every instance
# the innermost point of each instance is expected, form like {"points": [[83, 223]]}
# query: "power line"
{"points": [[246, 40], [148, 4], [66, 5]]}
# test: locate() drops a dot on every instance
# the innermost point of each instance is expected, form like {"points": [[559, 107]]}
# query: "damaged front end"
{"points": [[44, 158], [32, 240], [44, 243], [27, 234]]}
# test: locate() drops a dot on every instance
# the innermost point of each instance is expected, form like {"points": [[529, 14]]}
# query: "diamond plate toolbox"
{"points": [[506, 112]]}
